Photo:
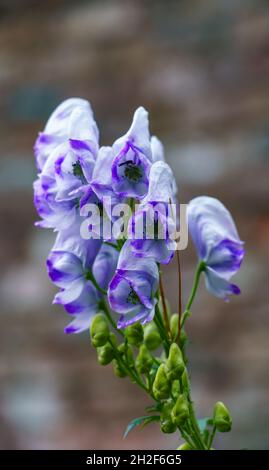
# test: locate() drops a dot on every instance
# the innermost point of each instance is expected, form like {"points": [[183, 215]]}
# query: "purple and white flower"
{"points": [[153, 225], [67, 171], [73, 273], [217, 243], [133, 158], [132, 290], [66, 118]]}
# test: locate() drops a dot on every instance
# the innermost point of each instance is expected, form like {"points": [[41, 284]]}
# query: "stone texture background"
{"points": [[202, 69]]}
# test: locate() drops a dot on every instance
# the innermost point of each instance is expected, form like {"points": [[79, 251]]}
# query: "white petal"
{"points": [[157, 149]]}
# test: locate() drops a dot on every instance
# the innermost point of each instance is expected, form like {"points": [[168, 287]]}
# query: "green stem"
{"points": [[187, 438], [160, 326], [193, 419], [90, 277], [196, 443], [131, 373], [198, 272], [212, 437], [109, 317]]}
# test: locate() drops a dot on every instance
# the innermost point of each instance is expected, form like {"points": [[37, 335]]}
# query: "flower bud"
{"points": [[126, 351], [152, 338], [174, 331], [99, 330], [183, 339], [174, 326], [184, 446], [167, 425], [180, 412], [174, 366], [105, 354], [134, 334], [185, 380], [119, 371], [221, 417], [143, 360], [161, 385], [175, 388]]}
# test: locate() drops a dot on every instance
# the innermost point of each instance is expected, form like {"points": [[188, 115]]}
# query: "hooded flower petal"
{"points": [[217, 243], [56, 215], [157, 149], [133, 158], [57, 129], [63, 268], [66, 170], [151, 228], [80, 323], [132, 290], [162, 184], [105, 265]]}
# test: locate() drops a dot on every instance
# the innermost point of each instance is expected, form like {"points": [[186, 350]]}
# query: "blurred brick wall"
{"points": [[201, 68]]}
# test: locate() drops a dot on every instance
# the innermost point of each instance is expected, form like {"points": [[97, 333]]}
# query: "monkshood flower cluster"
{"points": [[111, 283]]}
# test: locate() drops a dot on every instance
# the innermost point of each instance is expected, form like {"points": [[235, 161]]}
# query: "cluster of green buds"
{"points": [[121, 354], [165, 378], [169, 386]]}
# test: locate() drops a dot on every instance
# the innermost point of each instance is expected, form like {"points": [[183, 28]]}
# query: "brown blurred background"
{"points": [[202, 71]]}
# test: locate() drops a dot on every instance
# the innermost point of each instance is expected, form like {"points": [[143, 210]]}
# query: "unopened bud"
{"points": [[161, 385], [134, 334], [167, 425], [221, 417], [143, 360], [119, 371], [174, 366], [175, 388], [183, 339], [105, 354], [174, 331], [180, 412], [152, 338], [126, 351], [174, 326], [99, 330], [185, 380]]}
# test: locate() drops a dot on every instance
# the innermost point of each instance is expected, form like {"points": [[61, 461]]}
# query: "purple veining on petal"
{"points": [[58, 164], [80, 144]]}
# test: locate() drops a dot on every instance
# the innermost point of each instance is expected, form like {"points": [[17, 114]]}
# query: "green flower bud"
{"points": [[167, 425], [174, 366], [143, 360], [161, 385], [221, 417], [99, 330], [126, 352], [134, 334], [119, 371], [184, 446], [174, 326], [185, 380], [105, 354], [183, 339], [175, 388], [152, 338], [180, 412], [174, 331]]}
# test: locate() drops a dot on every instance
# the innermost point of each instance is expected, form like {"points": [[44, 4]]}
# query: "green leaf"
{"points": [[143, 420], [152, 408]]}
